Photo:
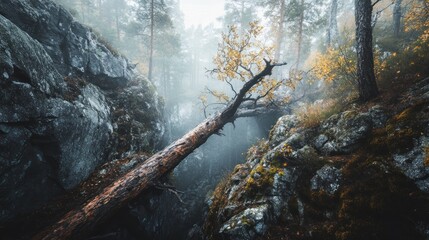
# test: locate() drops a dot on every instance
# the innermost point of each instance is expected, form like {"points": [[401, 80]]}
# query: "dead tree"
{"points": [[78, 222]]}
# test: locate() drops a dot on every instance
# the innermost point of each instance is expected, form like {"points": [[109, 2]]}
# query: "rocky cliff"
{"points": [[68, 104], [361, 174]]}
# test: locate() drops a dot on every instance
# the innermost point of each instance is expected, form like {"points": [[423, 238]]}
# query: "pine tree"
{"points": [[153, 17], [365, 60]]}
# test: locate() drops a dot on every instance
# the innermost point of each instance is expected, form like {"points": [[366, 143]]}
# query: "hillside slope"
{"points": [[361, 174]]}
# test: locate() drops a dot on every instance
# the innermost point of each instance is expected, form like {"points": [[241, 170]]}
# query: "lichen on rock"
{"points": [[361, 174]]}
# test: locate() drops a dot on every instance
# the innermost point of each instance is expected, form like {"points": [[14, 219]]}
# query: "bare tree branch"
{"points": [[374, 3]]}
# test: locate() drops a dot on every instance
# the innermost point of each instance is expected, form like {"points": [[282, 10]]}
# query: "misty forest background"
{"points": [[316, 38]]}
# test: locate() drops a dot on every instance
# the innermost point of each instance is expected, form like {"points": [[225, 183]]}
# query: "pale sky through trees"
{"points": [[201, 12]]}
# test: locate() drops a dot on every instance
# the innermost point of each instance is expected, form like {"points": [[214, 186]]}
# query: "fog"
{"points": [[185, 40]]}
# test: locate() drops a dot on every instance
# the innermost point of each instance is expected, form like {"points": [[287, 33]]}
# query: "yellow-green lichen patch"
{"points": [[258, 180], [248, 183], [247, 221], [280, 156]]}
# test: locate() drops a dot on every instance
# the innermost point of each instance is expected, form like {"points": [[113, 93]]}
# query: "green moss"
{"points": [[258, 181]]}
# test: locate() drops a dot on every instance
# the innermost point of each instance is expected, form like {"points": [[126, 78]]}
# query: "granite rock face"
{"points": [[74, 48], [68, 104]]}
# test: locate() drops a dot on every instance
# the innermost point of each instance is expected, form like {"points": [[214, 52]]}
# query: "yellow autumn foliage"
{"points": [[337, 67], [417, 20], [240, 57]]}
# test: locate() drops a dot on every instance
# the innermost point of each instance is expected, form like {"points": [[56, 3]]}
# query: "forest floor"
{"points": [[25, 226]]}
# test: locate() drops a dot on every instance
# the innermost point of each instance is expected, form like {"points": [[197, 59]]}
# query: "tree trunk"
{"points": [[332, 32], [280, 30], [365, 60], [300, 32], [77, 223], [152, 23], [100, 11], [118, 30], [397, 12], [82, 10], [242, 23]]}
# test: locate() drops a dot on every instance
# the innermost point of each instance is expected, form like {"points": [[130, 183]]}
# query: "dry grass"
{"points": [[311, 115]]}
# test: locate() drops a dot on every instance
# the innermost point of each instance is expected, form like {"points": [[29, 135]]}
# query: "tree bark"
{"points": [[77, 223], [365, 59], [300, 32], [332, 31], [397, 13], [280, 30], [152, 23], [118, 30]]}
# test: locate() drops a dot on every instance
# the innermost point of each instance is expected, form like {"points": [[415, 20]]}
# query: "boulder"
{"points": [[283, 129], [247, 225], [415, 163], [327, 179], [343, 133], [48, 144], [69, 103]]}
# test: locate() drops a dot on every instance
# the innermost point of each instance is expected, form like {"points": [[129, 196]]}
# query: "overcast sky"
{"points": [[201, 12]]}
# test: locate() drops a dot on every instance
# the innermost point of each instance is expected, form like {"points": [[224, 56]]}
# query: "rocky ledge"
{"points": [[361, 174], [69, 103]]}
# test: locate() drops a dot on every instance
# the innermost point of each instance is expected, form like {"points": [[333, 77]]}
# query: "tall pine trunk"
{"points": [[152, 25], [280, 30], [300, 33], [118, 30], [397, 13], [365, 59], [332, 31]]}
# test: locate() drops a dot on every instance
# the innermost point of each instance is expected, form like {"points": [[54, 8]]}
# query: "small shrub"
{"points": [[103, 41], [258, 149]]}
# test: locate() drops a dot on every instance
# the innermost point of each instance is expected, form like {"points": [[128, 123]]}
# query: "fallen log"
{"points": [[78, 223]]}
